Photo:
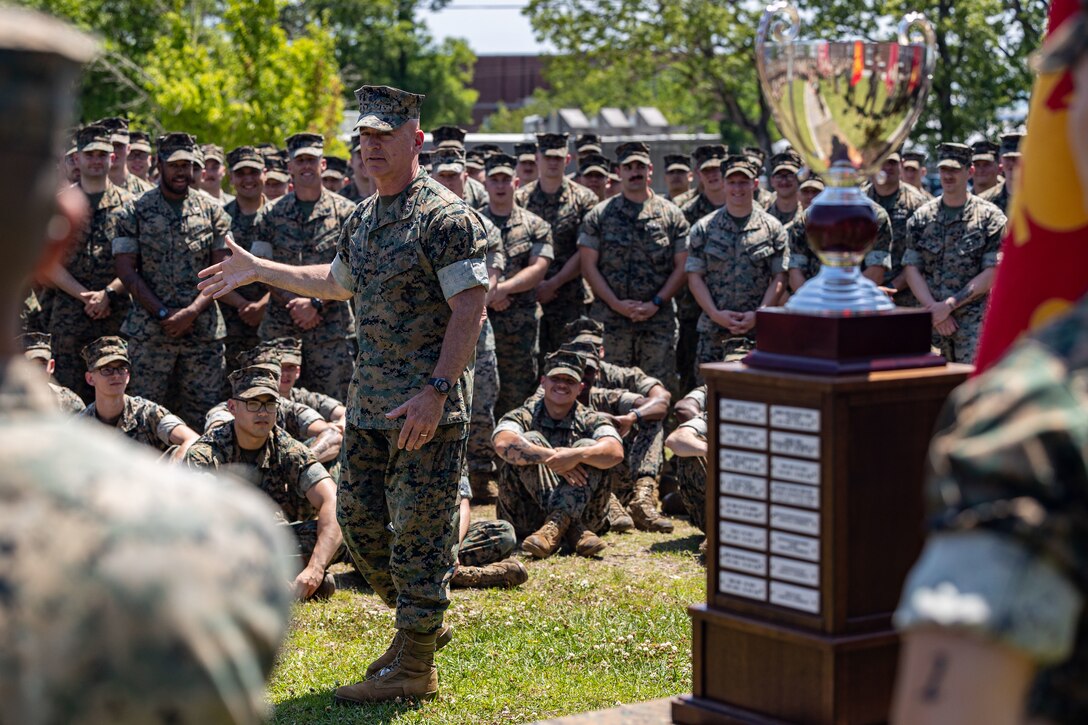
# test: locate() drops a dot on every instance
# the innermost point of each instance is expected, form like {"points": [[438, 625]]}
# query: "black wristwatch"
{"points": [[318, 304], [162, 314], [110, 294], [658, 302], [441, 385]]}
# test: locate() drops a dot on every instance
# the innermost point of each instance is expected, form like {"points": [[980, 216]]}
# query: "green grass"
{"points": [[579, 635]]}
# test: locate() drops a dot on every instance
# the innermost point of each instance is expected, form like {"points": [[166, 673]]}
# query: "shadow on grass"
{"points": [[320, 707], [688, 544]]}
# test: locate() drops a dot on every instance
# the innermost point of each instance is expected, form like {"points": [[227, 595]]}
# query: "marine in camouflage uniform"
{"points": [[37, 348], [483, 554], [563, 209], [900, 203], [526, 238], [160, 246], [914, 167], [739, 260], [453, 137], [762, 197], [691, 469], [640, 244], [1001, 195], [804, 264], [90, 267], [297, 232], [949, 247], [119, 173], [354, 190]]}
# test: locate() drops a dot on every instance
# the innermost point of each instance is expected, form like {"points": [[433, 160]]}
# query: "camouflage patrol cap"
{"points": [[73, 146], [552, 144], [588, 143], [176, 146], [212, 152], [525, 151], [384, 108], [565, 362], [811, 180], [448, 136], [448, 160], [487, 149], [254, 381], [1010, 144], [305, 144], [267, 354], [198, 157], [275, 167], [582, 325], [913, 159], [739, 164], [627, 153], [353, 143], [500, 164], [709, 156], [336, 167], [594, 164], [789, 160], [984, 150], [245, 157], [94, 137], [139, 141], [894, 156], [677, 162], [118, 128], [953, 156], [290, 349], [758, 155], [267, 149], [585, 347], [105, 350], [426, 161], [474, 160], [37, 345]]}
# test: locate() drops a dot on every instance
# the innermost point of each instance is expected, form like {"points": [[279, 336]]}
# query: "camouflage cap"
{"points": [[212, 152], [914, 159], [290, 349], [72, 144], [105, 350], [487, 148], [425, 160], [1010, 144], [588, 143], [118, 128], [984, 150], [336, 167], [384, 108], [552, 144], [677, 162], [627, 153], [275, 166], [37, 345], [139, 141], [789, 160], [474, 160], [594, 164], [245, 157], [94, 137], [740, 164], [709, 156], [448, 160], [500, 164], [176, 146], [305, 144], [267, 149], [811, 180], [267, 354], [585, 347], [582, 325], [755, 152], [894, 156], [198, 157], [953, 156], [353, 143], [525, 151], [254, 381], [448, 136], [564, 362]]}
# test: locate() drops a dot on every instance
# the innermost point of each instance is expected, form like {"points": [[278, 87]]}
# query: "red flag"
{"points": [[859, 63], [1044, 269], [891, 74]]}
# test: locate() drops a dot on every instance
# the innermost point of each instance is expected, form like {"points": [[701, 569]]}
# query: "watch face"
{"points": [[442, 385]]}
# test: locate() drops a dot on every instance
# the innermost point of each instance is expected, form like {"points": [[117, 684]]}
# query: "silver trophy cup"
{"points": [[845, 106]]}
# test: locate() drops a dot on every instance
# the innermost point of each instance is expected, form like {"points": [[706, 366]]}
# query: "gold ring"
{"points": [[422, 435]]}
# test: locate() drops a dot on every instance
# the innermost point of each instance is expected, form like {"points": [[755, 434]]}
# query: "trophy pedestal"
{"points": [[842, 343], [814, 517]]}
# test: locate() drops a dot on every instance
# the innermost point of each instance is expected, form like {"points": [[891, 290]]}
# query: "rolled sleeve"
{"points": [[307, 416], [590, 241], [695, 264], [341, 273], [543, 250], [166, 426], [878, 258], [697, 425], [912, 257], [459, 276], [508, 425], [125, 245], [606, 430], [311, 475]]}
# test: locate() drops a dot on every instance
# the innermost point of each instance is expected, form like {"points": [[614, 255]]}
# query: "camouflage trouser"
{"points": [[962, 345], [306, 534], [691, 479], [650, 345], [527, 494], [686, 343], [485, 390], [554, 317], [184, 375], [718, 347], [643, 457], [398, 512], [487, 542], [327, 367], [517, 345]]}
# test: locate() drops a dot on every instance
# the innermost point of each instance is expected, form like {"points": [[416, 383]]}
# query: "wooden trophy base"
{"points": [[842, 343]]}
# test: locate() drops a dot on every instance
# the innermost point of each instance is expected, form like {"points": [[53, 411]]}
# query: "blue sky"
{"points": [[490, 26]]}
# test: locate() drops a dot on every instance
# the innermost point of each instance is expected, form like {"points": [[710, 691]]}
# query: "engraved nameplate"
{"points": [[741, 560], [752, 463], [742, 586], [749, 537], [797, 572], [801, 547], [795, 444], [742, 436], [795, 597], [742, 411], [791, 519], [739, 509], [740, 485], [788, 469], [795, 494], [790, 418]]}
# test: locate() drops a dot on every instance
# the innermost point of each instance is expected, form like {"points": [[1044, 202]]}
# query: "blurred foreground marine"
{"points": [[993, 612], [126, 618]]}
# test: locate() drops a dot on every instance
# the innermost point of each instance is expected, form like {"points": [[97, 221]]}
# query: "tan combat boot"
{"points": [[619, 520], [643, 508], [583, 541], [444, 636], [546, 539], [507, 573], [412, 674]]}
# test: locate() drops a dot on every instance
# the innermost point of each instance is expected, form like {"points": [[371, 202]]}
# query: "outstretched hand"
{"points": [[237, 270]]}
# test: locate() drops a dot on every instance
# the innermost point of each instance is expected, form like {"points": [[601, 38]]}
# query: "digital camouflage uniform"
{"points": [[486, 541], [136, 186], [525, 236], [91, 264], [143, 421], [67, 401], [634, 379], [687, 309], [950, 247], [184, 373], [325, 405], [1007, 482], [998, 196], [563, 211], [691, 470], [240, 336], [804, 259], [900, 207], [351, 192], [285, 235], [402, 262], [738, 259], [476, 194], [637, 244], [527, 494], [643, 448], [681, 200], [293, 417], [480, 454]]}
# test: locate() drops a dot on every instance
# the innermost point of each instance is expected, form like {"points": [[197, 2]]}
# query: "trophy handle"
{"points": [[780, 22], [918, 21]]}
